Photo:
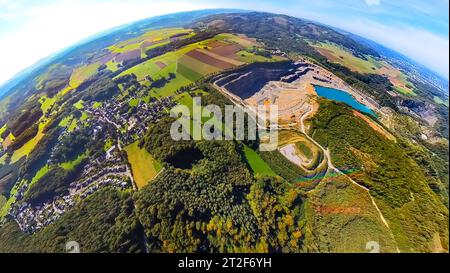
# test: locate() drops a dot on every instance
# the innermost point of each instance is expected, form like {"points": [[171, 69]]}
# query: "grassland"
{"points": [[84, 116], [256, 163], [79, 105], [72, 164], [4, 210], [3, 159], [340, 55], [134, 102], [149, 40], [26, 149], [143, 165], [97, 105], [440, 101], [40, 174], [2, 201], [83, 73], [66, 121], [3, 129], [46, 103], [192, 62]]}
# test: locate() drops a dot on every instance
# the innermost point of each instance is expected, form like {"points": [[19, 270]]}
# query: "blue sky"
{"points": [[31, 30]]}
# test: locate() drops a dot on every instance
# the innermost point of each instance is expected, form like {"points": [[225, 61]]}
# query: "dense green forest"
{"points": [[395, 180], [104, 222]]}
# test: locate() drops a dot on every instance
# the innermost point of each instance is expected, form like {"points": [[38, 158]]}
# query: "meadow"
{"points": [[143, 165], [256, 163], [340, 55]]}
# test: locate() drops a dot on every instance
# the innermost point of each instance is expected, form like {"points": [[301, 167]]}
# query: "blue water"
{"points": [[342, 96]]}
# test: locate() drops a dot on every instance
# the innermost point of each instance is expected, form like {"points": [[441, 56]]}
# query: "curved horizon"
{"points": [[31, 63]]}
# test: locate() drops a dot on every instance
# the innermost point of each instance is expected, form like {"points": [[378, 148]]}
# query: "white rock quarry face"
{"points": [[290, 153]]}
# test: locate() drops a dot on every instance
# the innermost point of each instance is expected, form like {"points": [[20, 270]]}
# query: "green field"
{"points": [[84, 116], [79, 105], [369, 65], [134, 102], [97, 105], [26, 149], [340, 55], [3, 159], [440, 101], [2, 130], [187, 69], [40, 174], [83, 73], [143, 165], [46, 103], [2, 201], [66, 121], [256, 163], [72, 164], [304, 148]]}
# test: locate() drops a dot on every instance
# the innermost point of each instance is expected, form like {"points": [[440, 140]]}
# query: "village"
{"points": [[108, 169]]}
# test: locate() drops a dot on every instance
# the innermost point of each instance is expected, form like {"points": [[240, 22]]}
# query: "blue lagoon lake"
{"points": [[344, 97]]}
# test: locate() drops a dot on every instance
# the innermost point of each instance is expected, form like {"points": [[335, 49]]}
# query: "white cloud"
{"points": [[373, 2]]}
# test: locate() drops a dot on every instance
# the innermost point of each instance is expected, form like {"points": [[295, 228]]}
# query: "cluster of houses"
{"points": [[131, 121], [31, 219], [145, 114], [109, 169]]}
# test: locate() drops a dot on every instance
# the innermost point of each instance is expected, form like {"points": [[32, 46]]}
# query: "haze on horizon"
{"points": [[31, 31]]}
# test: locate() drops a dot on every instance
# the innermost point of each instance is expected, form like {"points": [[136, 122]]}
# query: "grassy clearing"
{"points": [[134, 102], [66, 121], [108, 144], [72, 164], [440, 101], [304, 148], [4, 210], [342, 56], [186, 100], [3, 159], [79, 105], [3, 129], [46, 103], [338, 54], [44, 170], [157, 37], [256, 163], [83, 73], [2, 201], [26, 149], [84, 116], [73, 125], [143, 165], [97, 105]]}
